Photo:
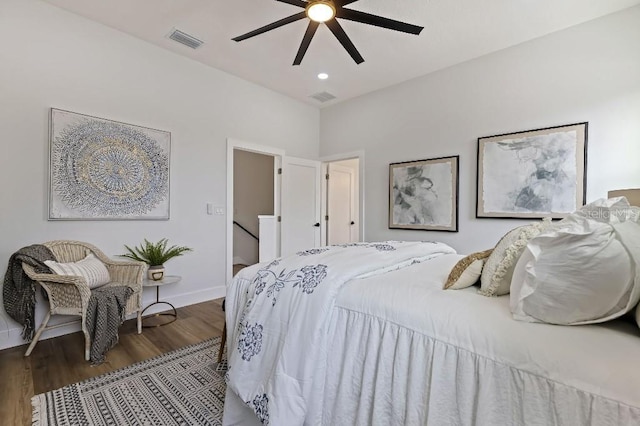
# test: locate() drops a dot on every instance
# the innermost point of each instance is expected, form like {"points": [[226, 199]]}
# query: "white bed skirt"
{"points": [[429, 382]]}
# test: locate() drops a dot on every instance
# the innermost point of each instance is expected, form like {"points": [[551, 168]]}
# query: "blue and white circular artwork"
{"points": [[106, 169]]}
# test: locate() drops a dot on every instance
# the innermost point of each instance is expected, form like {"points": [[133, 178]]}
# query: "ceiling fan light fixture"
{"points": [[321, 10], [327, 11]]}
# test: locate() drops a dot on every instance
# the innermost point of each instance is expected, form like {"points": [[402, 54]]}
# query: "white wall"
{"points": [[52, 58], [252, 196], [588, 73]]}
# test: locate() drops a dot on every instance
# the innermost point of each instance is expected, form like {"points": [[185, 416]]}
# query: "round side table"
{"points": [[167, 279]]}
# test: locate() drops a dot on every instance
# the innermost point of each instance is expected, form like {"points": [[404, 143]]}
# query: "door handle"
{"points": [[317, 224], [353, 223]]}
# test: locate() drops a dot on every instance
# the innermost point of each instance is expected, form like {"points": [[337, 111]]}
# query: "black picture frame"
{"points": [[532, 174], [423, 194]]}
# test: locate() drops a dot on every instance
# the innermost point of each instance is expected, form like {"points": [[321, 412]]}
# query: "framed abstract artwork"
{"points": [[532, 174], [423, 194], [106, 170]]}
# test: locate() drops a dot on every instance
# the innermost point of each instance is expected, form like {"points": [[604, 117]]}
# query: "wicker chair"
{"points": [[69, 295]]}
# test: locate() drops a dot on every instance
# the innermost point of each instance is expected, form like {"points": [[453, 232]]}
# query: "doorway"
{"points": [[292, 226], [342, 193], [239, 147], [288, 194], [253, 196]]}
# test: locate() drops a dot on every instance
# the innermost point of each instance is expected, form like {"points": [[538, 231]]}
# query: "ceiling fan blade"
{"points": [[342, 37], [340, 3], [308, 35], [271, 26], [299, 3], [378, 21]]}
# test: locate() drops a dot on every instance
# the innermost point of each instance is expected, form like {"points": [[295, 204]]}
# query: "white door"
{"points": [[300, 209], [340, 205]]}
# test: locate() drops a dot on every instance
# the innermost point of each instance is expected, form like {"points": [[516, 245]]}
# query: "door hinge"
{"points": [[326, 217], [280, 170], [326, 176], [279, 218]]}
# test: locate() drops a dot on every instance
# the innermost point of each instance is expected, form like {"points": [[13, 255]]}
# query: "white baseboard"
{"points": [[11, 336], [184, 299]]}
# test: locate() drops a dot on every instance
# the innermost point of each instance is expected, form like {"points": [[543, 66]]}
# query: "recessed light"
{"points": [[323, 76]]}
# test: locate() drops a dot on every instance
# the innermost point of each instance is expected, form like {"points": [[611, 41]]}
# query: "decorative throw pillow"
{"points": [[467, 271], [498, 268], [90, 268], [584, 270]]}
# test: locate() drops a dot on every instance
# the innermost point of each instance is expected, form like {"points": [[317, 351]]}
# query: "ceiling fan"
{"points": [[326, 11]]}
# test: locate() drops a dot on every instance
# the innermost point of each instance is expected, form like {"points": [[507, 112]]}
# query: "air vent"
{"points": [[186, 39], [323, 96]]}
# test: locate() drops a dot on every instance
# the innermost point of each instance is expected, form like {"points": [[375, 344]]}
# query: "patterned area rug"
{"points": [[183, 387]]}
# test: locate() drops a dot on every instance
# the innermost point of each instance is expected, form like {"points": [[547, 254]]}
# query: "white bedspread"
{"points": [[279, 317], [402, 351]]}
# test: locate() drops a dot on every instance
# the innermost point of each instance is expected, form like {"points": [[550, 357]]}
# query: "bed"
{"points": [[388, 346]]}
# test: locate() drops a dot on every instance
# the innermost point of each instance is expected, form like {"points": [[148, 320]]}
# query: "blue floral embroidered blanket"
{"points": [[277, 317]]}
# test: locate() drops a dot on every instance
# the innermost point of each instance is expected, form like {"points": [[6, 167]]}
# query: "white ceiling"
{"points": [[455, 31]]}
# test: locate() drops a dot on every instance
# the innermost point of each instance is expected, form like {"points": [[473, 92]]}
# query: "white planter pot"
{"points": [[155, 272]]}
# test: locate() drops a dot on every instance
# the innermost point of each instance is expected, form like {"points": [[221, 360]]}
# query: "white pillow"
{"points": [[90, 268], [583, 270], [498, 268]]}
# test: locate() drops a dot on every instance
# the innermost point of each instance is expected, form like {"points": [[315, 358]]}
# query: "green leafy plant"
{"points": [[154, 254]]}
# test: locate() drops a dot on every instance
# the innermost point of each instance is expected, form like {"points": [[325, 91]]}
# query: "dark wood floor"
{"points": [[60, 361]]}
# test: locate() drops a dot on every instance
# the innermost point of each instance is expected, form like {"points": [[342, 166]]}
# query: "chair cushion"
{"points": [[90, 268]]}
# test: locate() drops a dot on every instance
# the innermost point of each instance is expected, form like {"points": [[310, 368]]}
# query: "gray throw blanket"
{"points": [[105, 314], [19, 291]]}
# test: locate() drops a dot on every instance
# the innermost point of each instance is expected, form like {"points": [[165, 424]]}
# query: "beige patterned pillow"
{"points": [[498, 268], [467, 271], [90, 268]]}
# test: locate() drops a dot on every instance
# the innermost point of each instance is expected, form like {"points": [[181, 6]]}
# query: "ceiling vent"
{"points": [[186, 39], [323, 96]]}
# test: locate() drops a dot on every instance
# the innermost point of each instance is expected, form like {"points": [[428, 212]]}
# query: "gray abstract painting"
{"points": [[423, 194], [532, 174]]}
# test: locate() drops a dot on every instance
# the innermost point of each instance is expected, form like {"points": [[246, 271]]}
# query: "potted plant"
{"points": [[155, 255]]}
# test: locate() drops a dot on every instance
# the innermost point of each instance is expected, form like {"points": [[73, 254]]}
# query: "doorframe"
{"points": [[361, 216], [277, 155]]}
